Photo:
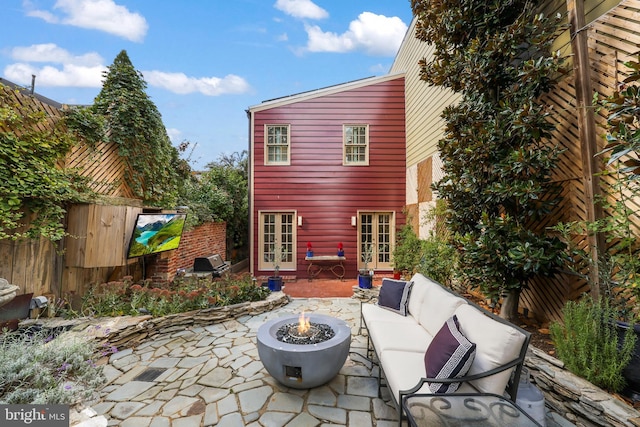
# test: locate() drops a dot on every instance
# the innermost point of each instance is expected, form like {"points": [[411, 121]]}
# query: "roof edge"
{"points": [[304, 96]]}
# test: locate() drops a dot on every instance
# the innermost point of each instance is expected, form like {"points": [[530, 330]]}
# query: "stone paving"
{"points": [[212, 376]]}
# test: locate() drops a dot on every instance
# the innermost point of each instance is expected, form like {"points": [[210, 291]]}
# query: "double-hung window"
{"points": [[356, 144], [277, 144]]}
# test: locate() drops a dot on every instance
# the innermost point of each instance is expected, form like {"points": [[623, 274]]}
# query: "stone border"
{"points": [[575, 398], [128, 332]]}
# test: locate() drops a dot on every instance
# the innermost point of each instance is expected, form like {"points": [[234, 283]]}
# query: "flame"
{"points": [[303, 324]]}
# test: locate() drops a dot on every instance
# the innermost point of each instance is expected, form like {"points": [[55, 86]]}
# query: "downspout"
{"points": [[250, 192]]}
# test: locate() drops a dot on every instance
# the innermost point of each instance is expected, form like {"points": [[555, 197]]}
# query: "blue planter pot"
{"points": [[275, 283], [365, 282]]}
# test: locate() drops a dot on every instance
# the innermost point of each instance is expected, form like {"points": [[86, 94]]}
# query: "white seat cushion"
{"points": [[391, 330], [418, 291], [371, 312], [438, 306], [399, 336], [496, 344], [403, 370]]}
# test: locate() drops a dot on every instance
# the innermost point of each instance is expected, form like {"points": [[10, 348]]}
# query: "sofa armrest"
{"points": [[518, 362]]}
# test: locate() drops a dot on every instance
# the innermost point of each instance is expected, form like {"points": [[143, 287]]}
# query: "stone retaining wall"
{"points": [[576, 399], [131, 332]]}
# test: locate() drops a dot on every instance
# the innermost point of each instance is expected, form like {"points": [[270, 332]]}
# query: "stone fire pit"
{"points": [[296, 360]]}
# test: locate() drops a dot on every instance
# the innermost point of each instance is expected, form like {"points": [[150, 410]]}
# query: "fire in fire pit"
{"points": [[304, 332], [306, 353]]}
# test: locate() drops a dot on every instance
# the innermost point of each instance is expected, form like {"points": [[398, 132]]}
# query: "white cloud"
{"points": [[69, 76], [301, 9], [174, 134], [87, 71], [182, 84], [103, 15], [49, 52], [373, 34], [73, 70]]}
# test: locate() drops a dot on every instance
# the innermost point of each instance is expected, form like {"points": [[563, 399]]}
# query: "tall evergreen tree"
{"points": [[135, 124], [496, 156]]}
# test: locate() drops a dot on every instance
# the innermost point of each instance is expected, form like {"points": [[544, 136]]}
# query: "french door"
{"points": [[277, 239], [376, 239]]}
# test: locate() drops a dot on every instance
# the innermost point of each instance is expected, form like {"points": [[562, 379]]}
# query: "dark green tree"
{"points": [[496, 155], [134, 123]]}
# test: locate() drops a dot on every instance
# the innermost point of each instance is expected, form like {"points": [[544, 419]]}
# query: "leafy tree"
{"points": [[221, 194], [497, 162], [31, 183], [134, 123]]}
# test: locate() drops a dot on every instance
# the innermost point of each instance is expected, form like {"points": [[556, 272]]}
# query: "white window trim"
{"points": [[344, 144], [266, 145]]}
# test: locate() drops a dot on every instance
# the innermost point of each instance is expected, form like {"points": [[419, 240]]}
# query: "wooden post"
{"points": [[587, 130]]}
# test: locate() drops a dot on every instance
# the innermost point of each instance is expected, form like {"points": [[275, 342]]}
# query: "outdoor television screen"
{"points": [[155, 233]]}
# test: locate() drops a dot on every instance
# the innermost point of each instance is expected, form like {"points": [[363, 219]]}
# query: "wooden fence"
{"points": [[612, 39]]}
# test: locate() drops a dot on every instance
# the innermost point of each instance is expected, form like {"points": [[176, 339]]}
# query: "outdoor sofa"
{"points": [[419, 325]]}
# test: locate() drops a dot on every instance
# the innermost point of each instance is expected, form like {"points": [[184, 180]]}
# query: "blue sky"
{"points": [[205, 61]]}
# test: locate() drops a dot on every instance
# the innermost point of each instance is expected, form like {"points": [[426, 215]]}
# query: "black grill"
{"points": [[211, 264]]}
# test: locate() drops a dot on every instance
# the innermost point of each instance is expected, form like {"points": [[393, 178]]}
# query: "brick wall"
{"points": [[204, 240]]}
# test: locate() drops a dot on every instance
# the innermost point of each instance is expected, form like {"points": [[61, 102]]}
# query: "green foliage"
{"points": [[496, 162], [31, 183], [34, 369], [439, 260], [589, 345], [184, 294], [408, 250], [221, 194], [134, 123], [623, 138]]}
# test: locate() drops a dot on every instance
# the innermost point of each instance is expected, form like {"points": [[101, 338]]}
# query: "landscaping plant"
{"points": [[587, 342], [35, 368], [31, 183], [407, 252], [438, 258], [184, 294], [496, 158]]}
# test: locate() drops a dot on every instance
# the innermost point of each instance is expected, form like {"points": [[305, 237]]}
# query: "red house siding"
{"points": [[316, 184]]}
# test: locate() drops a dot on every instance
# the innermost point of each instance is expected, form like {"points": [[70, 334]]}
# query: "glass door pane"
{"points": [[278, 239], [376, 232]]}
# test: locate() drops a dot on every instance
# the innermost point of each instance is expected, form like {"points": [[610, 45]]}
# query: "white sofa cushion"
{"points": [[399, 336], [496, 345], [438, 306], [373, 312], [418, 291], [391, 330], [403, 370]]}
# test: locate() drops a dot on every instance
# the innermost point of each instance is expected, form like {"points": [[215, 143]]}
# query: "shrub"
{"points": [[589, 345], [184, 294], [439, 260], [37, 369]]}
